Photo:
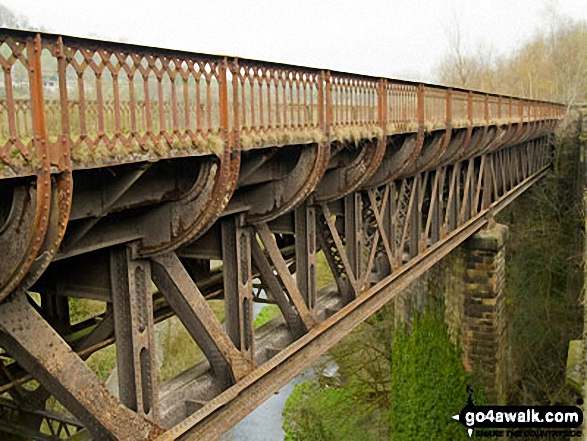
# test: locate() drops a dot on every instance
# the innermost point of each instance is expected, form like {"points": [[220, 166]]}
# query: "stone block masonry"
{"points": [[484, 322]]}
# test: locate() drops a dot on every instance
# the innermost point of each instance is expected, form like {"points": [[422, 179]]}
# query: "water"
{"points": [[265, 422]]}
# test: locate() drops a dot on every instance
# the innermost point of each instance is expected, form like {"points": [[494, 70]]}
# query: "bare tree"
{"points": [[11, 19], [460, 68]]}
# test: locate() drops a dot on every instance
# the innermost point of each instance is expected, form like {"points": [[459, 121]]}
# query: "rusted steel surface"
{"points": [[232, 405], [66, 376], [121, 164]]}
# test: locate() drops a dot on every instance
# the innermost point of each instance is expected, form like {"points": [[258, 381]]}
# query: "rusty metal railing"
{"points": [[96, 102]]}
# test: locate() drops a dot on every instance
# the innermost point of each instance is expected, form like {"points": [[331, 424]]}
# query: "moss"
{"points": [[280, 138], [247, 141], [272, 138], [120, 150], [354, 134], [402, 127], [317, 136], [461, 123], [17, 159], [81, 154], [215, 144], [431, 126], [134, 146], [324, 275], [183, 145], [101, 153], [288, 137], [160, 149]]}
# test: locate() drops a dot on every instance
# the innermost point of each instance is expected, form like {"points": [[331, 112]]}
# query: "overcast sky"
{"points": [[393, 38]]}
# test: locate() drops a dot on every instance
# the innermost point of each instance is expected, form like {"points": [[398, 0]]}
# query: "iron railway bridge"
{"points": [[154, 180]]}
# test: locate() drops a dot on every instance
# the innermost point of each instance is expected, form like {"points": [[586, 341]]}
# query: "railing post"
{"points": [[420, 106], [327, 124], [223, 101], [486, 110], [64, 162], [470, 107], [38, 105], [234, 69], [382, 105], [449, 107], [499, 102]]}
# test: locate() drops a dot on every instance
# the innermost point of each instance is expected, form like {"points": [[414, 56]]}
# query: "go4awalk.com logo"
{"points": [[520, 421]]}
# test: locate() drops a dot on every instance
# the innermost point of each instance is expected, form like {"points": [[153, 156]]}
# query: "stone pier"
{"points": [[471, 283], [484, 322]]}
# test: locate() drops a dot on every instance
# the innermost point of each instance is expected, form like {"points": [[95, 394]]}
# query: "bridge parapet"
{"points": [[102, 103]]}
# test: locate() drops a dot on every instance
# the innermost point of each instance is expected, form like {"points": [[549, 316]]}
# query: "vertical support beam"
{"points": [[452, 206], [63, 373], [305, 247], [486, 109], [487, 186], [238, 285], [223, 100], [132, 302], [353, 240], [465, 208], [415, 217], [436, 209], [394, 195], [484, 336], [56, 309]]}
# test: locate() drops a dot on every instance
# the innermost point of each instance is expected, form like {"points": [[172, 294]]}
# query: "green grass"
{"points": [[180, 350], [324, 276], [103, 362], [267, 314]]}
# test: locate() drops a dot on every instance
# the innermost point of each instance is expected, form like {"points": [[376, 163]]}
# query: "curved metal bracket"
{"points": [[279, 197], [394, 160], [493, 135], [478, 142], [341, 181], [432, 149], [24, 232], [178, 222], [60, 208]]}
